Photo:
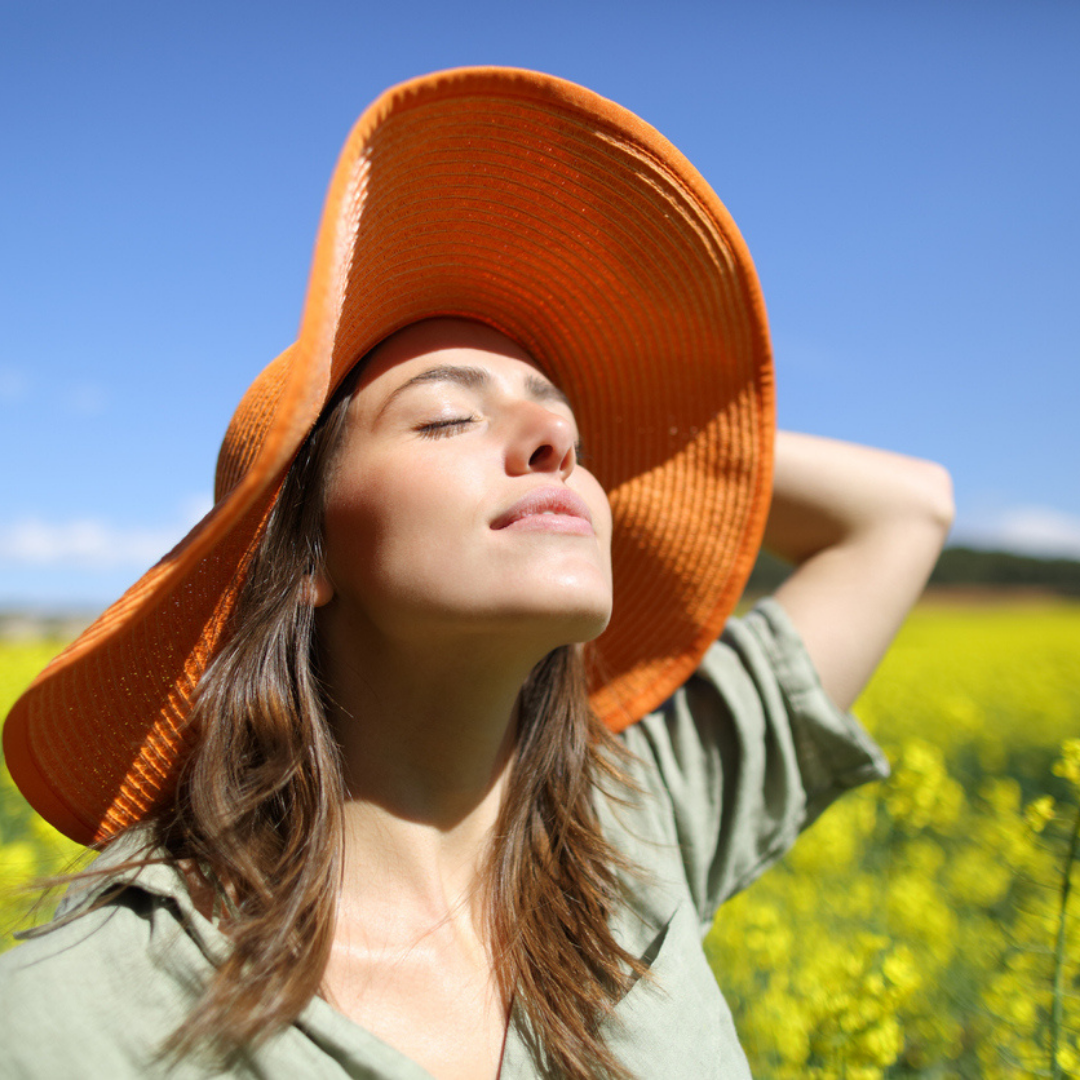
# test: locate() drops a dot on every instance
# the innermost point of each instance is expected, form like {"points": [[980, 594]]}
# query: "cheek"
{"points": [[350, 532], [386, 534], [608, 525], [600, 507]]}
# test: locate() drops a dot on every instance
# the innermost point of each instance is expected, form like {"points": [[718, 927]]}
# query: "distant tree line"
{"points": [[960, 566], [969, 566]]}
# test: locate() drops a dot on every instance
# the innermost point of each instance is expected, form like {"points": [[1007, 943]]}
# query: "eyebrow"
{"points": [[537, 387]]}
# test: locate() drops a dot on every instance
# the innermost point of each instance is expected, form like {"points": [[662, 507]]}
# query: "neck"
{"points": [[427, 737]]}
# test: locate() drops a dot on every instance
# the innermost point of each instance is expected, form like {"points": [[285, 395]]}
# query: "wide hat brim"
{"points": [[569, 224]]}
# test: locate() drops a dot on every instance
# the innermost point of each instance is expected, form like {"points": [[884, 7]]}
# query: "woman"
{"points": [[363, 808]]}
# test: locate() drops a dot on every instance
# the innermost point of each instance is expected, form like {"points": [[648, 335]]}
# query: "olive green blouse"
{"points": [[730, 769]]}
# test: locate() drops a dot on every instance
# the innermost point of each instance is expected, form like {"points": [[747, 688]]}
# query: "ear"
{"points": [[320, 589]]}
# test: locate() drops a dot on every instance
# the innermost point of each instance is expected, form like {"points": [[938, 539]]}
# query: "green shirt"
{"points": [[741, 759]]}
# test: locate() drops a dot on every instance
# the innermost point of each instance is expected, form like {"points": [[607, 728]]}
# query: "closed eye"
{"points": [[439, 428]]}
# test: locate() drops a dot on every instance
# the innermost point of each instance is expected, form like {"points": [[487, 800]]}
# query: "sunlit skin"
{"points": [[464, 541], [444, 586], [451, 428]]}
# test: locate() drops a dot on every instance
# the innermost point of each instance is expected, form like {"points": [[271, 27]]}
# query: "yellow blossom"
{"points": [[1040, 813]]}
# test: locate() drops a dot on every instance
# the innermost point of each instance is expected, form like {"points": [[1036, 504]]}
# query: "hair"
{"points": [[257, 818]]}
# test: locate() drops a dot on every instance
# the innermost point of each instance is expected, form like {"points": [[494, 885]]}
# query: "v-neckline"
{"points": [[325, 1023]]}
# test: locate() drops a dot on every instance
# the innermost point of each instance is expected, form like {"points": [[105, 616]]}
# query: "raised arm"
{"points": [[863, 528]]}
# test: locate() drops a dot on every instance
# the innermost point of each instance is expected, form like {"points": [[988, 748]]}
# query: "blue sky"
{"points": [[905, 174]]}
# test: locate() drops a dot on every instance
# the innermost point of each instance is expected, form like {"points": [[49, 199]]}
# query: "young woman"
{"points": [[350, 748]]}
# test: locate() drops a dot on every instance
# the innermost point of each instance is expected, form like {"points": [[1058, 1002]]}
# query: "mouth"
{"points": [[548, 509]]}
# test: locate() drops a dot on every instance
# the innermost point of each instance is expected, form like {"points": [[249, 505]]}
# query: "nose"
{"points": [[542, 441]]}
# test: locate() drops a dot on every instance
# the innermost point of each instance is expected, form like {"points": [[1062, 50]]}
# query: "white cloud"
{"points": [[1026, 530], [92, 544]]}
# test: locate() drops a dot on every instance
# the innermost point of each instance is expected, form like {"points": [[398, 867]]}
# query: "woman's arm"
{"points": [[863, 528]]}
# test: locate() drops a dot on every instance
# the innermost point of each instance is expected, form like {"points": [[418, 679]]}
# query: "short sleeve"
{"points": [[747, 754]]}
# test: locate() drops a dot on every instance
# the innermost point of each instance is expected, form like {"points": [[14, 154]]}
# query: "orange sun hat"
{"points": [[561, 219]]}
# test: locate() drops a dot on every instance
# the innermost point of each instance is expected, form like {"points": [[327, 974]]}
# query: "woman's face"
{"points": [[456, 502]]}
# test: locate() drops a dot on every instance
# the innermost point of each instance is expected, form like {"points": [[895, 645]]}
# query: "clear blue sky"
{"points": [[905, 173]]}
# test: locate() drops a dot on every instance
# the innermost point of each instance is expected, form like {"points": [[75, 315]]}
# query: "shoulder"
{"points": [[738, 761], [98, 993], [755, 708], [68, 957]]}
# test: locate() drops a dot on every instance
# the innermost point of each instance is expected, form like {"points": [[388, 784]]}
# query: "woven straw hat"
{"points": [[562, 220]]}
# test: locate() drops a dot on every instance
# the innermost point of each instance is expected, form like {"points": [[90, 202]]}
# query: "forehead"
{"points": [[443, 344]]}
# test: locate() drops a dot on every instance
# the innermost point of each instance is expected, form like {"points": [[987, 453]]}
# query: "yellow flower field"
{"points": [[923, 927], [29, 848], [917, 929]]}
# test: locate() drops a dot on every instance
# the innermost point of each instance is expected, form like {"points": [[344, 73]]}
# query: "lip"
{"points": [[548, 509]]}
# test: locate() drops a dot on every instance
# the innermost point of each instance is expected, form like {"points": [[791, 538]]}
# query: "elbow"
{"points": [[929, 507], [940, 503]]}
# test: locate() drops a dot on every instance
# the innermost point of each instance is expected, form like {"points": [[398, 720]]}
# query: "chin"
{"points": [[590, 626], [572, 626]]}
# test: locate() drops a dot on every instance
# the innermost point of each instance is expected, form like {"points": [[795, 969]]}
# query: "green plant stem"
{"points": [[1059, 952]]}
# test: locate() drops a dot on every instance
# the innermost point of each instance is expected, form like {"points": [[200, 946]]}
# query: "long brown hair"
{"points": [[258, 817]]}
